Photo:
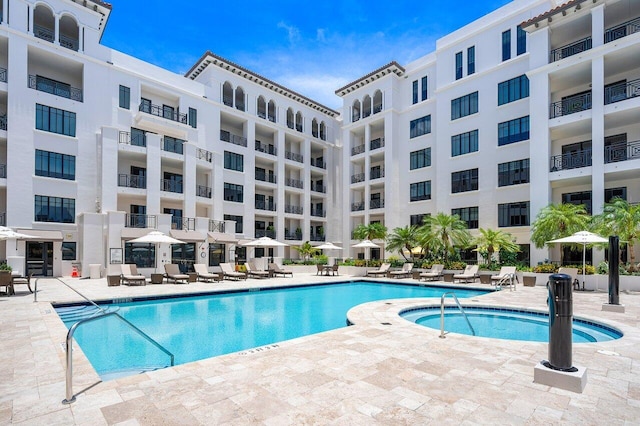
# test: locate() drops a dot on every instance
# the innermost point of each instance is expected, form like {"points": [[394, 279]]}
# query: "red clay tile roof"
{"points": [[103, 4], [552, 12], [391, 67]]}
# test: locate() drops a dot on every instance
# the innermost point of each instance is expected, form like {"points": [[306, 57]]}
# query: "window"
{"points": [[471, 60], [216, 254], [418, 219], [419, 159], [55, 120], [54, 209], [170, 144], [143, 255], [138, 137], [233, 192], [424, 88], [172, 182], [521, 41], [238, 220], [415, 92], [582, 198], [513, 131], [512, 90], [458, 65], [464, 105], [233, 161], [468, 215], [420, 191], [145, 105], [69, 250], [463, 181], [513, 172], [464, 143], [125, 97], [513, 214], [55, 165], [193, 118], [420, 126], [168, 112], [506, 45], [611, 193]]}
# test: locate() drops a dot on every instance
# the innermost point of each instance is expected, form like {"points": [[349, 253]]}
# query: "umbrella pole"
{"points": [[584, 262]]}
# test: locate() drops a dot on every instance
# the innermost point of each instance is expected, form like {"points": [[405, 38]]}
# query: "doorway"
{"points": [[39, 258]]}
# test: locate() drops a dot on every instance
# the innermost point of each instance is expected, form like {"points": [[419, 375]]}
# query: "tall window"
{"points": [[125, 97], [415, 91], [239, 221], [233, 161], [143, 255], [521, 41], [424, 87], [138, 137], [54, 209], [464, 143], [463, 181], [513, 172], [582, 198], [513, 131], [418, 219], [512, 90], [468, 215], [420, 191], [458, 65], [471, 60], [233, 192], [216, 254], [55, 165], [193, 117], [55, 120], [611, 193], [420, 126], [506, 45], [464, 105], [513, 214], [419, 159]]}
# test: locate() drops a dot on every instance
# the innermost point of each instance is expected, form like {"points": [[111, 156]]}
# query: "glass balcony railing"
{"points": [[174, 145], [135, 220], [293, 209], [267, 149], [265, 205], [265, 177], [294, 183], [317, 187]]}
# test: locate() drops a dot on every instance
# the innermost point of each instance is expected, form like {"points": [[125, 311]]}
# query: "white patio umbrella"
{"points": [[366, 244], [328, 246], [584, 238], [156, 237], [264, 242], [8, 233]]}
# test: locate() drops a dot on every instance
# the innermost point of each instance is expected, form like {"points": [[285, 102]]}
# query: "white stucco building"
{"points": [[502, 118]]}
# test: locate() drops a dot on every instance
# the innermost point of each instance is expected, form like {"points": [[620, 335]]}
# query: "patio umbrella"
{"points": [[328, 246], [584, 238], [8, 233], [156, 237], [366, 244], [264, 242]]}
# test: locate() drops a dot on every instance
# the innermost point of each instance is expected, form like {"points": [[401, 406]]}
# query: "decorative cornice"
{"points": [[391, 67], [563, 8]]}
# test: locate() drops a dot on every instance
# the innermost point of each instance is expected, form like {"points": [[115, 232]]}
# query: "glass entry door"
{"points": [[39, 258]]}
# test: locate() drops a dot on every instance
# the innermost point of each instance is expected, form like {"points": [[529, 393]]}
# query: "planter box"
{"points": [[529, 280]]}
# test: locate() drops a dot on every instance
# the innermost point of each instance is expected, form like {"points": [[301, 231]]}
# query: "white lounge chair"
{"points": [[204, 274], [279, 271], [384, 268], [404, 273], [129, 275], [172, 271], [433, 274], [470, 274], [228, 272], [506, 276], [573, 273], [252, 271]]}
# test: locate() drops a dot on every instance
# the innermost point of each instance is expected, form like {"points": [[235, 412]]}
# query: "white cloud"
{"points": [[320, 35], [293, 33]]}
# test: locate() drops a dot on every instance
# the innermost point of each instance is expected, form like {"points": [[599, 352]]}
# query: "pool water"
{"points": [[199, 327], [509, 324]]}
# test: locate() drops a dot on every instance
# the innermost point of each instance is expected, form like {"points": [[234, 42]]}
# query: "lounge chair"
{"points": [[204, 274], [405, 272], [433, 274], [228, 272], [254, 272], [470, 273], [129, 275], [279, 271], [506, 276], [573, 273], [384, 268], [172, 271]]}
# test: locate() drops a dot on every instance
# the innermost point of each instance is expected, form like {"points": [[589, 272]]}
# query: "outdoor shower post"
{"points": [[614, 277]]}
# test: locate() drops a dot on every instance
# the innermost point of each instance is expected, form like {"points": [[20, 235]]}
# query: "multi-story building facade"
{"points": [[98, 148]]}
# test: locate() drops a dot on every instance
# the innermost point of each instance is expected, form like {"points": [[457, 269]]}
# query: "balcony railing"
{"points": [[357, 178], [318, 163], [318, 213], [266, 177], [227, 100], [138, 139], [376, 143], [376, 173], [57, 88], [160, 111], [293, 236], [134, 220], [3, 75], [356, 207], [317, 187], [43, 33], [622, 152], [295, 183], [290, 124], [3, 171], [132, 181], [571, 160], [299, 127], [169, 185], [570, 105], [293, 156], [203, 154], [69, 42], [355, 116], [186, 223], [377, 108], [3, 122], [174, 145], [268, 149], [376, 204], [317, 237], [357, 149], [293, 209], [265, 205], [216, 226], [621, 92], [203, 191], [231, 138], [259, 233], [622, 30], [570, 49]]}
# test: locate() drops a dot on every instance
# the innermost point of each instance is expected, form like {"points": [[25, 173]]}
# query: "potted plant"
{"points": [[4, 267]]}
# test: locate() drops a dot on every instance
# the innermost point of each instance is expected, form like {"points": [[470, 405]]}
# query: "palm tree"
{"points": [[402, 239], [444, 232], [557, 221], [620, 218], [371, 231], [492, 241], [306, 250]]}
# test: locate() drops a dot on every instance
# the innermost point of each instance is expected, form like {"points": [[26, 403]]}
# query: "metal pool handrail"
{"points": [[508, 279], [452, 294]]}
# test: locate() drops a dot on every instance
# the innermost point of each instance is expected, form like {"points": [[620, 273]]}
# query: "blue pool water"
{"points": [[199, 327], [509, 324]]}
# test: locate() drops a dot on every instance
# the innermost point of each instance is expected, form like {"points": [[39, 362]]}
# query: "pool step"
{"points": [[73, 314], [116, 374]]}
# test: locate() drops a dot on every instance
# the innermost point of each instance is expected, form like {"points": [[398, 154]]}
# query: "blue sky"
{"points": [[312, 48]]}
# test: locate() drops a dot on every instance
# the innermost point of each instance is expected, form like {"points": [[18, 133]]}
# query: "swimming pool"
{"points": [[204, 326], [509, 324]]}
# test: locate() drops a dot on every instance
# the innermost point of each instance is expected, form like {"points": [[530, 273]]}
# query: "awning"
{"points": [[189, 236], [41, 235], [131, 233], [221, 237]]}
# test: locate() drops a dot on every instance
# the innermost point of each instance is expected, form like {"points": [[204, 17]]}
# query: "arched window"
{"points": [[299, 121], [227, 94], [262, 107], [355, 111], [44, 23], [377, 101], [366, 106], [272, 111], [323, 131], [69, 33], [239, 98], [290, 118], [314, 128]]}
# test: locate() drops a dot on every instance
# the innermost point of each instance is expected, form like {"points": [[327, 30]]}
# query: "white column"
{"points": [[597, 143], [56, 30], [597, 26], [108, 140], [539, 48], [189, 180], [154, 173]]}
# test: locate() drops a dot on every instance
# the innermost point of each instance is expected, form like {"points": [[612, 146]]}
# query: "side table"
{"points": [[113, 280], [157, 278]]}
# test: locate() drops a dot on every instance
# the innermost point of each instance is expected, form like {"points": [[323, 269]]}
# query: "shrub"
{"points": [[545, 268], [5, 267], [455, 265], [321, 259]]}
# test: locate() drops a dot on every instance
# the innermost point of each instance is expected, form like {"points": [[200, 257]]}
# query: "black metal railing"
{"points": [[259, 233], [315, 162], [203, 191], [570, 105], [299, 127], [288, 208], [622, 152], [376, 204], [265, 177], [570, 160], [69, 42], [203, 154], [265, 205], [185, 223], [356, 207], [294, 183], [317, 187], [174, 145], [267, 149], [43, 33], [376, 173], [317, 237], [357, 149], [134, 220], [227, 100], [47, 85], [377, 108], [231, 138], [376, 143], [355, 116], [570, 49], [138, 139], [293, 156], [357, 178], [216, 226], [160, 111], [3, 75], [622, 30], [290, 124], [169, 185], [3, 171], [132, 181], [293, 236], [620, 92], [318, 213], [3, 122]]}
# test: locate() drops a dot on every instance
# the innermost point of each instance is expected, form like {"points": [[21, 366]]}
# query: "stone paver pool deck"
{"points": [[369, 373]]}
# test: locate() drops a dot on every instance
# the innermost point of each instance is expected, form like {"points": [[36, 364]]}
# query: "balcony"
{"points": [[376, 173], [318, 163], [318, 213], [622, 30], [293, 236], [317, 187], [259, 233], [570, 49], [174, 145], [69, 42], [267, 149], [132, 181], [169, 185], [43, 33], [357, 150], [3, 122], [622, 152], [265, 177], [3, 171], [356, 207], [293, 209], [134, 220], [377, 108], [160, 111], [357, 178], [571, 160], [186, 223], [317, 237], [293, 156], [622, 91], [294, 183], [137, 139], [570, 105], [376, 143], [216, 226], [376, 204], [3, 75], [265, 205], [231, 138], [54, 87], [203, 154], [203, 191]]}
